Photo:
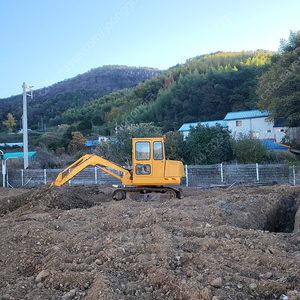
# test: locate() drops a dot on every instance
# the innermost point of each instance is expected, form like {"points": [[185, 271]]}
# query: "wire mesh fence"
{"points": [[201, 175], [34, 177]]}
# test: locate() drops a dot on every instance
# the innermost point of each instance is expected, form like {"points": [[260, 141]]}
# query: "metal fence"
{"points": [[242, 174], [221, 174]]}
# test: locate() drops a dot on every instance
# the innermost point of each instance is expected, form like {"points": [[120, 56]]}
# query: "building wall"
{"points": [[185, 134], [259, 128], [294, 133]]}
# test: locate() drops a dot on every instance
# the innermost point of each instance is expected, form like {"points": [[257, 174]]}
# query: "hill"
{"points": [[204, 88], [51, 101]]}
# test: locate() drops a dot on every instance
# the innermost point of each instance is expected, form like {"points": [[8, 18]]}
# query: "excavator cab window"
{"points": [[142, 150], [143, 169], [158, 151]]}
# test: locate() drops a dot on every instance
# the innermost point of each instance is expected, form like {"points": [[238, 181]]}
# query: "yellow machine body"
{"points": [[149, 166]]}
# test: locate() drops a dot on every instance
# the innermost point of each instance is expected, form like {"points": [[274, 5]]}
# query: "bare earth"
{"points": [[76, 243]]}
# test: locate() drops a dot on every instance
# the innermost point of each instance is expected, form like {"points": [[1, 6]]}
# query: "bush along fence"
{"points": [[196, 176]]}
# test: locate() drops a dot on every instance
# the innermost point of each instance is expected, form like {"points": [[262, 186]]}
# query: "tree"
{"points": [[10, 122], [77, 145], [292, 43], [169, 81], [279, 88], [174, 145], [207, 145]]}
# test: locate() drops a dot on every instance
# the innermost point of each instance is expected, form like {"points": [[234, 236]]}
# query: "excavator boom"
{"points": [[92, 160]]}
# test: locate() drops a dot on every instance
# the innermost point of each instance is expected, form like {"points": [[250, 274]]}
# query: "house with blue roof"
{"points": [[256, 123], [242, 123]]}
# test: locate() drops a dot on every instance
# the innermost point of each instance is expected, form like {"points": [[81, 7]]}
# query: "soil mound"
{"points": [[53, 197], [76, 243]]}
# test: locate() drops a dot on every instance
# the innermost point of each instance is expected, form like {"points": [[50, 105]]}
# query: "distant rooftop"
{"points": [[92, 143], [274, 146], [248, 114], [11, 144], [31, 155], [186, 126]]}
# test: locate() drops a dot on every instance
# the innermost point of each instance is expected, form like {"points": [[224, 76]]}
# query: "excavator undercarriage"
{"points": [[147, 193]]}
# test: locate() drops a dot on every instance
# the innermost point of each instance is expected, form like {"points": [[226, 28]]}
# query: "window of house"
{"points": [[238, 123], [142, 150], [268, 131], [255, 134], [280, 130]]}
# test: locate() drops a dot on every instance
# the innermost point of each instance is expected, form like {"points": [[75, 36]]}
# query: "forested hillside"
{"points": [[204, 88], [49, 103]]}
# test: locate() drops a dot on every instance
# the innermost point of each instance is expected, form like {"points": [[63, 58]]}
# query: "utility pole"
{"points": [[25, 131]]}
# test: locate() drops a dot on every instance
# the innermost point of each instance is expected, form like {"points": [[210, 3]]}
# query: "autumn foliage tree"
{"points": [[77, 145], [10, 122]]}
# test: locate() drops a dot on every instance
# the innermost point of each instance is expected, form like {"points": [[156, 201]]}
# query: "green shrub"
{"points": [[249, 150]]}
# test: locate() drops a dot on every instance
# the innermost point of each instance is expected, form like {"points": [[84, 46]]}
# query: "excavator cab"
{"points": [[150, 166]]}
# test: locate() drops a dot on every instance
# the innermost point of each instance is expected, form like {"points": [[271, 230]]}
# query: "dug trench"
{"points": [[76, 243], [282, 217]]}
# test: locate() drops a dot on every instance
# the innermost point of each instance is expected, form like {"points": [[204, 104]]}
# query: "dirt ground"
{"points": [[76, 243]]}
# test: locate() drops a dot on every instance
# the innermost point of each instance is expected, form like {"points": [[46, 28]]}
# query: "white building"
{"points": [[255, 123], [243, 123]]}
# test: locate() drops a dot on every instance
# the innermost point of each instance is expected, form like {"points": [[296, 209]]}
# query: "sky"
{"points": [[44, 42]]}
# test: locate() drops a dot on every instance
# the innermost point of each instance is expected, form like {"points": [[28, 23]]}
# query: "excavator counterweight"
{"points": [[150, 172]]}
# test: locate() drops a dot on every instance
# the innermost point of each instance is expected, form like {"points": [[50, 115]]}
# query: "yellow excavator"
{"points": [[150, 172]]}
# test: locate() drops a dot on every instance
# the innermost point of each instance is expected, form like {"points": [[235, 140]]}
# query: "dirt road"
{"points": [[76, 243]]}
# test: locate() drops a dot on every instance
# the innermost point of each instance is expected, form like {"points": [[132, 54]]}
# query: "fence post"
{"points": [[45, 176], [3, 172], [186, 176], [294, 175], [96, 177], [221, 170], [22, 175], [257, 173]]}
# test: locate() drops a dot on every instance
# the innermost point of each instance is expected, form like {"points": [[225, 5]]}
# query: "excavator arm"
{"points": [[92, 160]]}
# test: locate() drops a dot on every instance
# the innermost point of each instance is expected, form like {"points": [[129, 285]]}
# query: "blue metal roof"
{"points": [[273, 146], [92, 143], [248, 114], [31, 155], [187, 126]]}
